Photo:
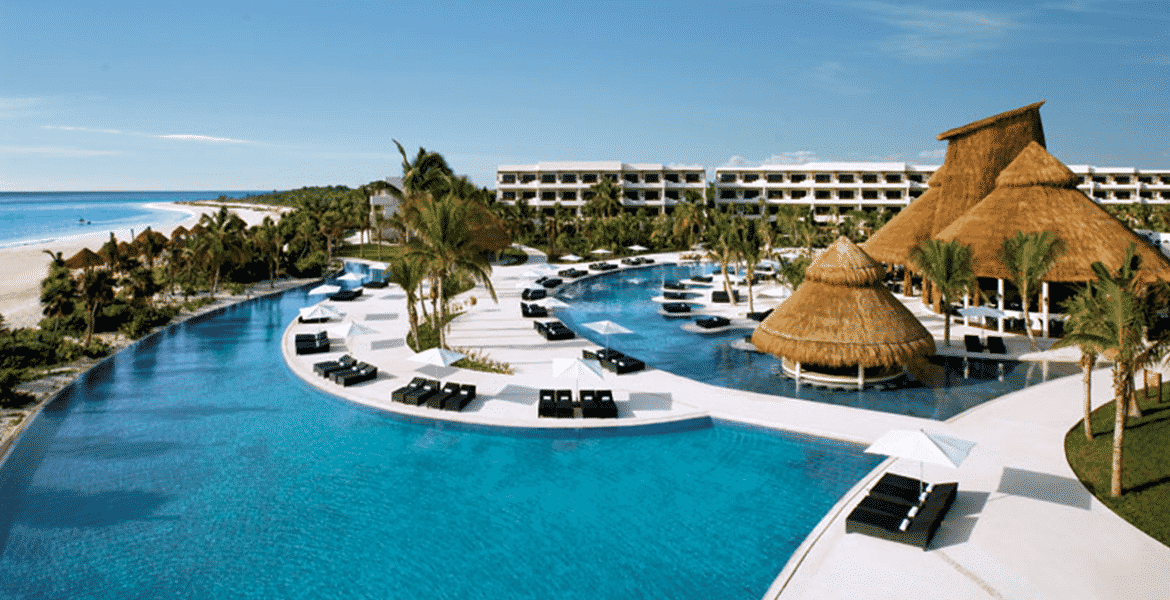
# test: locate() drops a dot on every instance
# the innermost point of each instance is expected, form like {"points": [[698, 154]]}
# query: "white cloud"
{"points": [[935, 35], [831, 77], [170, 136], [200, 138], [58, 151], [799, 157], [87, 129]]}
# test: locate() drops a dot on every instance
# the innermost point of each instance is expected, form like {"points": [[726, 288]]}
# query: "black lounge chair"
{"points": [[310, 343], [345, 295], [896, 493], [556, 331], [325, 368], [376, 284], [608, 406], [995, 345], [632, 261], [420, 395], [564, 404], [702, 278], [881, 518], [311, 338], [551, 282], [722, 296], [533, 294], [590, 407], [364, 374], [647, 261], [619, 363], [759, 316], [459, 400], [399, 395], [712, 322], [546, 406], [676, 307], [571, 273], [534, 311], [669, 295], [436, 400], [973, 344], [674, 285]]}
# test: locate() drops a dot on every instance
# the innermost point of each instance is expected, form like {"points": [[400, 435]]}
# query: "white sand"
{"points": [[27, 265]]}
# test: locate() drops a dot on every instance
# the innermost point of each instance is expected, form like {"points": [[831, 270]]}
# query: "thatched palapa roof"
{"points": [[976, 153], [1035, 193], [843, 316], [84, 259]]}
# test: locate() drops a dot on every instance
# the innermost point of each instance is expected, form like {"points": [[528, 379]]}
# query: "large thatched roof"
{"points": [[855, 321], [84, 259], [976, 153], [1037, 192]]}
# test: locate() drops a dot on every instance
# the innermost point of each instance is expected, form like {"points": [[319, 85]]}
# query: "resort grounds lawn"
{"points": [[1145, 476]]}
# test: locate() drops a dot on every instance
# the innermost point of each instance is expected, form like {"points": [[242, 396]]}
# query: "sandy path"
{"points": [[26, 266]]}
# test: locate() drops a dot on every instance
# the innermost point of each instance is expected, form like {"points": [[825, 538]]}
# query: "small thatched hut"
{"points": [[84, 259], [1036, 193], [976, 153], [842, 319]]}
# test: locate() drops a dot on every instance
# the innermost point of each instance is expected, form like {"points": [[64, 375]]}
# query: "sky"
{"points": [[264, 96]]}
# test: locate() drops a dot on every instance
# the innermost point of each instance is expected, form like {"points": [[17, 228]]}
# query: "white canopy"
{"points": [[923, 446], [325, 289], [350, 328]]}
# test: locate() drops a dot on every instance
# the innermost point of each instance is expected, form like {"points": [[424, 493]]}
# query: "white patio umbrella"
{"points": [[601, 251], [315, 312], [637, 248], [983, 312], [437, 357], [350, 277], [551, 302], [351, 328], [576, 369], [325, 289], [775, 292], [606, 328], [922, 446], [571, 257]]}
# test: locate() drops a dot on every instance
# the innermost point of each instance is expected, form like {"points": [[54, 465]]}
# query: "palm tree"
{"points": [[1087, 327], [688, 218], [446, 245], [749, 245], [428, 172], [220, 242], [269, 243], [603, 199], [722, 249], [1027, 257], [793, 270], [58, 290], [409, 273], [96, 289], [950, 267], [151, 243]]}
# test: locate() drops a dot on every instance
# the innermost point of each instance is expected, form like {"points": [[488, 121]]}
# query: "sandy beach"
{"points": [[27, 265]]}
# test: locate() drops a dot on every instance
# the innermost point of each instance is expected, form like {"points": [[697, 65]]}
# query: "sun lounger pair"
{"points": [[549, 282], [680, 308], [376, 284], [995, 344], [602, 266], [420, 391], [702, 278], [712, 322], [572, 273], [615, 361], [553, 330], [669, 295], [592, 404], [722, 296], [533, 294], [533, 310], [311, 343], [325, 368], [898, 509], [359, 373], [346, 295], [673, 285]]}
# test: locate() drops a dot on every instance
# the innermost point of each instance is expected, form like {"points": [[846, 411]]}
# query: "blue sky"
{"points": [[217, 96]]}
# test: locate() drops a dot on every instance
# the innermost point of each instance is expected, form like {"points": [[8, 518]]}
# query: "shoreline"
{"points": [[28, 263]]}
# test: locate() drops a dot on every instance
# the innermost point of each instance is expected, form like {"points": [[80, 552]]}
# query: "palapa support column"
{"points": [[860, 377], [798, 372], [1044, 308], [907, 281], [966, 304], [999, 290]]}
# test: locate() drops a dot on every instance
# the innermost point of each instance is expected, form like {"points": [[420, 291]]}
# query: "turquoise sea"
{"points": [[34, 217]]}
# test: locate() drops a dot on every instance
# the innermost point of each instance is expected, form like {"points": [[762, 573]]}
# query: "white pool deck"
{"points": [[1022, 525]]}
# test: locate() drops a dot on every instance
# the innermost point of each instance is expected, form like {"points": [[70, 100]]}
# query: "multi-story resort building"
{"points": [[866, 186], [654, 187]]}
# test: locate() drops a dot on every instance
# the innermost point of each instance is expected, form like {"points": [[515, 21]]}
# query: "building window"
{"points": [[1100, 195], [672, 195], [727, 194], [894, 178], [869, 178], [915, 177], [548, 177], [508, 178], [1121, 195], [527, 178], [845, 178], [1100, 179], [671, 177], [612, 177], [1145, 179], [845, 194], [824, 178], [915, 193], [775, 194], [750, 177], [509, 195], [528, 195], [568, 195], [798, 194], [823, 195], [651, 194], [650, 178], [893, 195], [589, 178], [798, 177], [869, 195], [693, 178], [1144, 194], [1165, 195], [1166, 179], [727, 178], [751, 194], [631, 194], [569, 178], [548, 196], [1121, 179], [775, 178], [630, 177]]}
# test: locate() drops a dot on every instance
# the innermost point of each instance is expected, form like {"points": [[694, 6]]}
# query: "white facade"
{"points": [[846, 185], [1124, 185], [543, 185]]}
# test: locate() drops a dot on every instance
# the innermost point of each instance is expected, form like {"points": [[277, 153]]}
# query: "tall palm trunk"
{"points": [[1088, 359], [1119, 402], [1027, 319]]}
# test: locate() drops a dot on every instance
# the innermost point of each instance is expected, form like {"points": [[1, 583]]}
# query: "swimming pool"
{"points": [[625, 298], [196, 465]]}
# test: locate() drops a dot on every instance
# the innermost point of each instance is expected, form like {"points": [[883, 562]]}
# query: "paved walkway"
{"points": [[1022, 526]]}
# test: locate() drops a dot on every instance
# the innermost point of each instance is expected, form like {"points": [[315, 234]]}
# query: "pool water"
{"points": [[195, 465], [625, 298]]}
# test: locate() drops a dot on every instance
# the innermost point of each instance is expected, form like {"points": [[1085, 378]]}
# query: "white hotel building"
{"points": [[822, 185], [543, 185]]}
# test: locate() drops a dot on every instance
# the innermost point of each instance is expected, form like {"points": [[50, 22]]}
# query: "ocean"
{"points": [[37, 217]]}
